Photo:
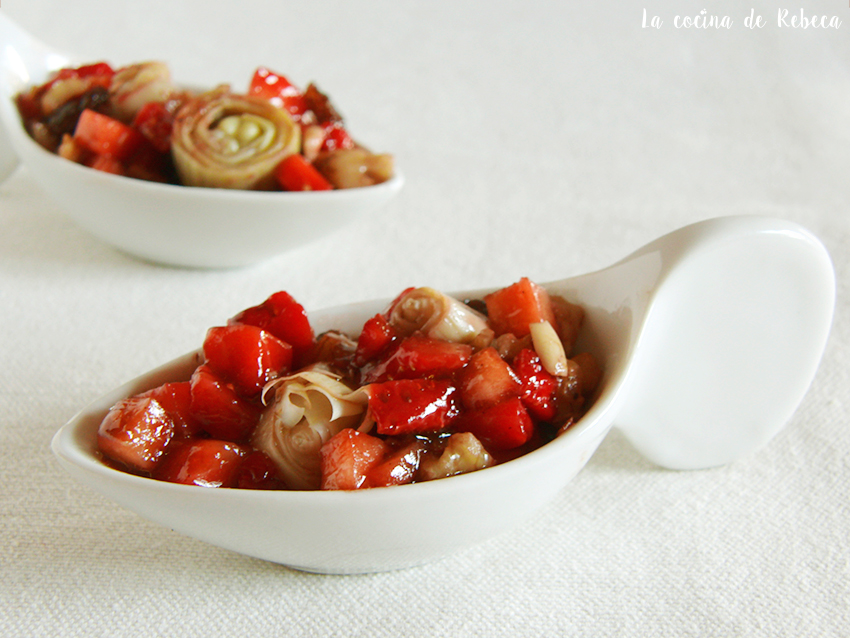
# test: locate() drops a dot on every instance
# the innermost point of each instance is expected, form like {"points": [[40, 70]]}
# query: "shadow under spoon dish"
{"points": [[709, 338], [164, 223]]}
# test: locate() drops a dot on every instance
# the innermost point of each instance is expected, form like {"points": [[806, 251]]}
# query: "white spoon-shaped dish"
{"points": [[709, 338], [173, 225]]}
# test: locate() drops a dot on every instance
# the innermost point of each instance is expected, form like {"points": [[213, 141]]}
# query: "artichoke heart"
{"points": [[138, 84], [436, 315], [224, 140], [308, 408]]}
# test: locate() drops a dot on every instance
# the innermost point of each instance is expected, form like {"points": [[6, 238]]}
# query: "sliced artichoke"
{"points": [[224, 140], [134, 86], [436, 315], [308, 409]]}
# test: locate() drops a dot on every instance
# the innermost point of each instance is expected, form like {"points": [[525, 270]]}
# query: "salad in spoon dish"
{"points": [[409, 440]]}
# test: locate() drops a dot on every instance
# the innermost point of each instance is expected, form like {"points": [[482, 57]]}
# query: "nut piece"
{"points": [[548, 346]]}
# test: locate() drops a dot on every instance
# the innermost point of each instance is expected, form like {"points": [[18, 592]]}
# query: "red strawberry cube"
{"points": [[539, 388], [285, 318], [419, 356], [136, 432], [375, 338], [347, 458], [503, 426], [398, 467], [176, 400], [220, 410], [409, 406], [512, 309], [487, 379], [203, 462], [247, 356], [258, 472]]}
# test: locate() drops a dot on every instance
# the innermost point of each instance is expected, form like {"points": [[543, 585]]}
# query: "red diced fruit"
{"points": [[539, 388], [503, 426], [279, 91], [375, 338], [420, 356], [258, 472], [155, 122], [247, 356], [136, 432], [149, 164], [104, 135], [347, 458], [413, 405], [176, 399], [295, 173], [512, 309], [397, 468], [487, 379], [101, 69], [203, 462], [106, 164], [221, 411], [284, 317], [336, 137]]}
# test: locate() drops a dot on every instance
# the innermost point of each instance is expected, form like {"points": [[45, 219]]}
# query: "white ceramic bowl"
{"points": [[174, 225], [738, 308]]}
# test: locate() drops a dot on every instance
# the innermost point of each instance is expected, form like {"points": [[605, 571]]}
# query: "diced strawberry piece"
{"points": [[155, 121], [398, 467], [285, 318], [487, 379], [419, 356], [247, 356], [176, 399], [512, 309], [221, 411], [101, 69], [295, 173], [104, 135], [258, 472], [336, 137], [413, 405], [203, 462], [279, 91], [503, 426], [347, 457], [136, 432], [149, 164], [375, 338], [539, 388], [106, 164]]}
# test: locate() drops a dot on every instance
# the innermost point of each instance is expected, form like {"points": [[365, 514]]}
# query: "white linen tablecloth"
{"points": [[538, 139]]}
